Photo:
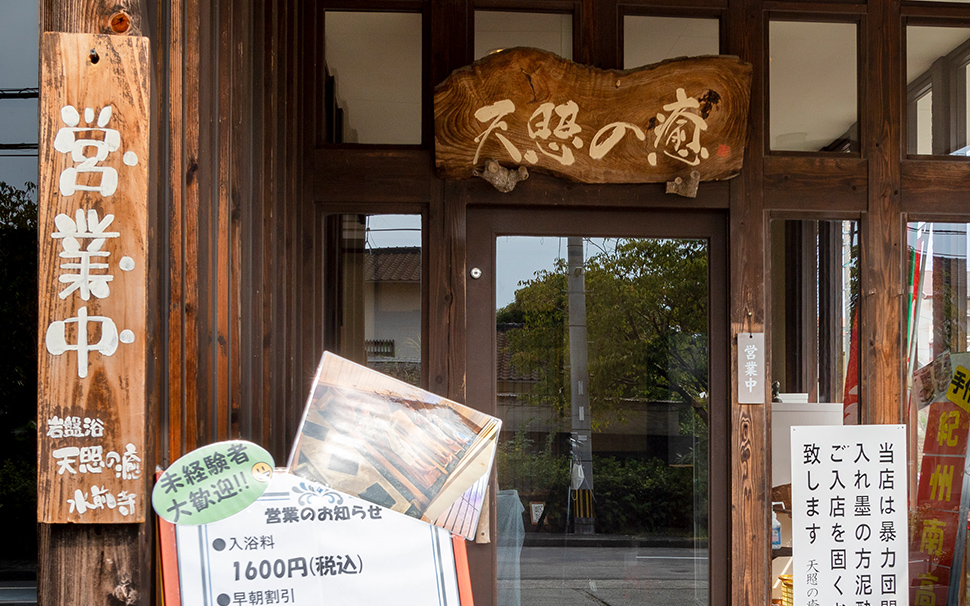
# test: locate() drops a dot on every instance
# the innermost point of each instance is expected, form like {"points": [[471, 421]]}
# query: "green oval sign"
{"points": [[213, 482]]}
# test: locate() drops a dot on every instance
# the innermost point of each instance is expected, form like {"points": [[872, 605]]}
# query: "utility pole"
{"points": [[581, 468]]}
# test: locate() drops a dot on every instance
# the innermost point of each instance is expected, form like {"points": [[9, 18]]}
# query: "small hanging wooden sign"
{"points": [[93, 278], [527, 107]]}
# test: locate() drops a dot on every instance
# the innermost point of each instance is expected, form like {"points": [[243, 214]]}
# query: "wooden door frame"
{"points": [[487, 223]]}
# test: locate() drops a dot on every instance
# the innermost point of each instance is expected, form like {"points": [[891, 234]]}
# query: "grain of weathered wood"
{"points": [[252, 287], [294, 395], [224, 227], [279, 231], [750, 438], [451, 35], [267, 203], [882, 229], [311, 62], [823, 184], [94, 564], [935, 186], [194, 171], [88, 564], [526, 107], [545, 190], [343, 175], [241, 203], [598, 34], [94, 16], [84, 93], [176, 179]]}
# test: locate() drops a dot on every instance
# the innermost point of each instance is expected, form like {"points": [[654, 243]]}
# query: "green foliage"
{"points": [[636, 497], [528, 469], [631, 496], [540, 347], [647, 323], [18, 209], [647, 320]]}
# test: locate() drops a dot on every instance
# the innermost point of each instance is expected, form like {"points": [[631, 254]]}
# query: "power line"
{"points": [[19, 93]]}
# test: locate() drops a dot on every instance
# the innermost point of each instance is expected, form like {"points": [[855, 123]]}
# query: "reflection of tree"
{"points": [[18, 363], [647, 321]]}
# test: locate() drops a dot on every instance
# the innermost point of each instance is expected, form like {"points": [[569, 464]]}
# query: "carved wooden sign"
{"points": [[93, 223], [526, 107]]}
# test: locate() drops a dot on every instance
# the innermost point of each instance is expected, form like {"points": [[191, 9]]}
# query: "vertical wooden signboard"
{"points": [[93, 198]]}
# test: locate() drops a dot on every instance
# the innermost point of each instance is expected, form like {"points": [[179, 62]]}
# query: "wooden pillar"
{"points": [[882, 234], [97, 563], [750, 484]]}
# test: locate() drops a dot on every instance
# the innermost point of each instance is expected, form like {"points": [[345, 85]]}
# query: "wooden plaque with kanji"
{"points": [[92, 227]]}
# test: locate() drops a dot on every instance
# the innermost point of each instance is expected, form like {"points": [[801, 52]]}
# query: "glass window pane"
{"points": [[18, 224], [602, 384], [813, 86], [814, 348], [497, 30], [937, 408], [375, 288], [377, 85], [924, 124], [649, 40], [814, 284], [936, 62]]}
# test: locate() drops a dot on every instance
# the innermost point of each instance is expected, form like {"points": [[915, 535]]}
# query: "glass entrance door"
{"points": [[599, 340]]}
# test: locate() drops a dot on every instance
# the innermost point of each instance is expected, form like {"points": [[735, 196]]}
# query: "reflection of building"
{"points": [[392, 304]]}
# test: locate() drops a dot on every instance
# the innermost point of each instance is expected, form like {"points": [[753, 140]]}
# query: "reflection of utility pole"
{"points": [[581, 485]]}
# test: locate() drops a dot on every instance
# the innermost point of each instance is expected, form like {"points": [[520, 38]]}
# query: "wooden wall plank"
{"points": [[174, 136], [278, 443], [294, 200], [268, 204], [189, 360], [252, 290], [308, 104], [223, 226], [240, 204]]}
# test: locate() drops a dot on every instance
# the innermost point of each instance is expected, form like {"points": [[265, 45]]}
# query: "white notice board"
{"points": [[303, 544], [849, 526]]}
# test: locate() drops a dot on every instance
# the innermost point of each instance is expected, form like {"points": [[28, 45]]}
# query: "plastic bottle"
{"points": [[775, 526]]}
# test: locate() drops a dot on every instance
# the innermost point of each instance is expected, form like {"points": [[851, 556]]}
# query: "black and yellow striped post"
{"points": [[583, 508]]}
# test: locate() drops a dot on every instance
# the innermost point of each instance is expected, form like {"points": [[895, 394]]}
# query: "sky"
{"points": [[18, 69]]}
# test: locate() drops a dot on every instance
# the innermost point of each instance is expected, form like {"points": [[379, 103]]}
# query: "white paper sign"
{"points": [[849, 525], [304, 544], [751, 368]]}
